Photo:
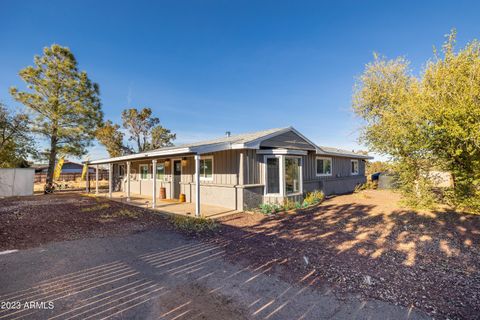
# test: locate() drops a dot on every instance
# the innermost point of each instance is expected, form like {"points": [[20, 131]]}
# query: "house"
{"points": [[70, 171], [68, 167], [238, 171]]}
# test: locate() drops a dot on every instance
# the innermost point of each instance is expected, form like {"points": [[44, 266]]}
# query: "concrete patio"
{"points": [[169, 206]]}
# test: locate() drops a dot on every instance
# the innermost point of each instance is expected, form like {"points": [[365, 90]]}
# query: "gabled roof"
{"points": [[250, 140]]}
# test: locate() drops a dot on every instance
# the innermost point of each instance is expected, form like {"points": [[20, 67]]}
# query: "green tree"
{"points": [[65, 101], [372, 167], [162, 137], [425, 121], [16, 142], [451, 103], [111, 137], [145, 129]]}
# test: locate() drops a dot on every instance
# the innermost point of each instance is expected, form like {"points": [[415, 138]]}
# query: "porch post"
{"points": [[128, 180], [87, 179], [96, 180], [241, 169], [110, 177], [197, 185], [154, 183]]}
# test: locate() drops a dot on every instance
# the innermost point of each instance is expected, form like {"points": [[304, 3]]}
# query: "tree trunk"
{"points": [[139, 144], [53, 156]]}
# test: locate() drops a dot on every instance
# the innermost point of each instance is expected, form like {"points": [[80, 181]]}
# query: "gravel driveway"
{"points": [[161, 274]]}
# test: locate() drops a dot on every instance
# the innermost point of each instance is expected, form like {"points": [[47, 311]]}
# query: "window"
{"points": [[292, 175], [144, 172], [121, 170], [161, 171], [324, 166], [273, 175], [206, 168], [354, 168]]}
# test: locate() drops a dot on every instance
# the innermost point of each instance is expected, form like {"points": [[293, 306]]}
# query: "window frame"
{"points": [[164, 171], [281, 182], [149, 176], [323, 174], [204, 178], [351, 167], [300, 180]]}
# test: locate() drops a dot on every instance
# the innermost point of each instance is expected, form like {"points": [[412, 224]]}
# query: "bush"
{"points": [[194, 225], [312, 198], [469, 204], [369, 185], [270, 208]]}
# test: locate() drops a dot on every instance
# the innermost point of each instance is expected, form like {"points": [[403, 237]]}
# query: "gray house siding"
{"points": [[226, 189], [339, 182], [287, 140]]}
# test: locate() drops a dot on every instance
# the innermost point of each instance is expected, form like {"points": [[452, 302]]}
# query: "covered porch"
{"points": [[170, 206], [152, 180]]}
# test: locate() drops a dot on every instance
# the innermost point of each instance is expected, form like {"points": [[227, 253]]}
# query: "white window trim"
{"points": [[323, 174], [213, 169], [149, 176], [164, 172], [301, 177], [358, 168], [281, 185]]}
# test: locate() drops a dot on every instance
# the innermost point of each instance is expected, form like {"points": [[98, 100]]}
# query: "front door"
{"points": [[177, 174]]}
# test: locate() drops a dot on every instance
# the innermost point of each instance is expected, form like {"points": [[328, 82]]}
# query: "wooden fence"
{"points": [[42, 177]]}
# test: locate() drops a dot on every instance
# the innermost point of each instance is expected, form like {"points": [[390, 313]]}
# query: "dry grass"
{"points": [[123, 213], [194, 225], [95, 208]]}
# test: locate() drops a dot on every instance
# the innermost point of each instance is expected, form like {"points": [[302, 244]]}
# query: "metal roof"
{"points": [[249, 140]]}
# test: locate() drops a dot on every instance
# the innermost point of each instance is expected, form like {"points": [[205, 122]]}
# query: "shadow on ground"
{"points": [[429, 260]]}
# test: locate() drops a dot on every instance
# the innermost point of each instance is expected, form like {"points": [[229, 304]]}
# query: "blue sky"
{"points": [[206, 67]]}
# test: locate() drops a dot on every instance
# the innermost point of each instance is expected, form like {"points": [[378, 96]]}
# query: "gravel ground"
{"points": [[366, 244], [362, 244], [27, 222]]}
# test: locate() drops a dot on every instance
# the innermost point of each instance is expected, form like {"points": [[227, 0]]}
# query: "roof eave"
{"points": [[142, 155], [347, 155]]}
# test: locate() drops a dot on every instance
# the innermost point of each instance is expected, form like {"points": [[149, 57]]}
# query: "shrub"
{"points": [[194, 225], [369, 185], [270, 208], [313, 198], [467, 204]]}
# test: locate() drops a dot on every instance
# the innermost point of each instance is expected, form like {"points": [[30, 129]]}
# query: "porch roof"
{"points": [[241, 141]]}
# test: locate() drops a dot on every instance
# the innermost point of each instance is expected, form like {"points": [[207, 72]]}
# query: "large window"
{"points": [[324, 166], [273, 175], [144, 172], [206, 168], [292, 175], [161, 171], [354, 169]]}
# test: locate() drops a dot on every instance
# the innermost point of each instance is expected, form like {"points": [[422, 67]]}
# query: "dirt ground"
{"points": [[365, 243], [27, 222]]}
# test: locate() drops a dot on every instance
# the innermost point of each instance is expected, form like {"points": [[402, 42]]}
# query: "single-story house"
{"points": [[238, 171], [68, 167], [70, 171]]}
